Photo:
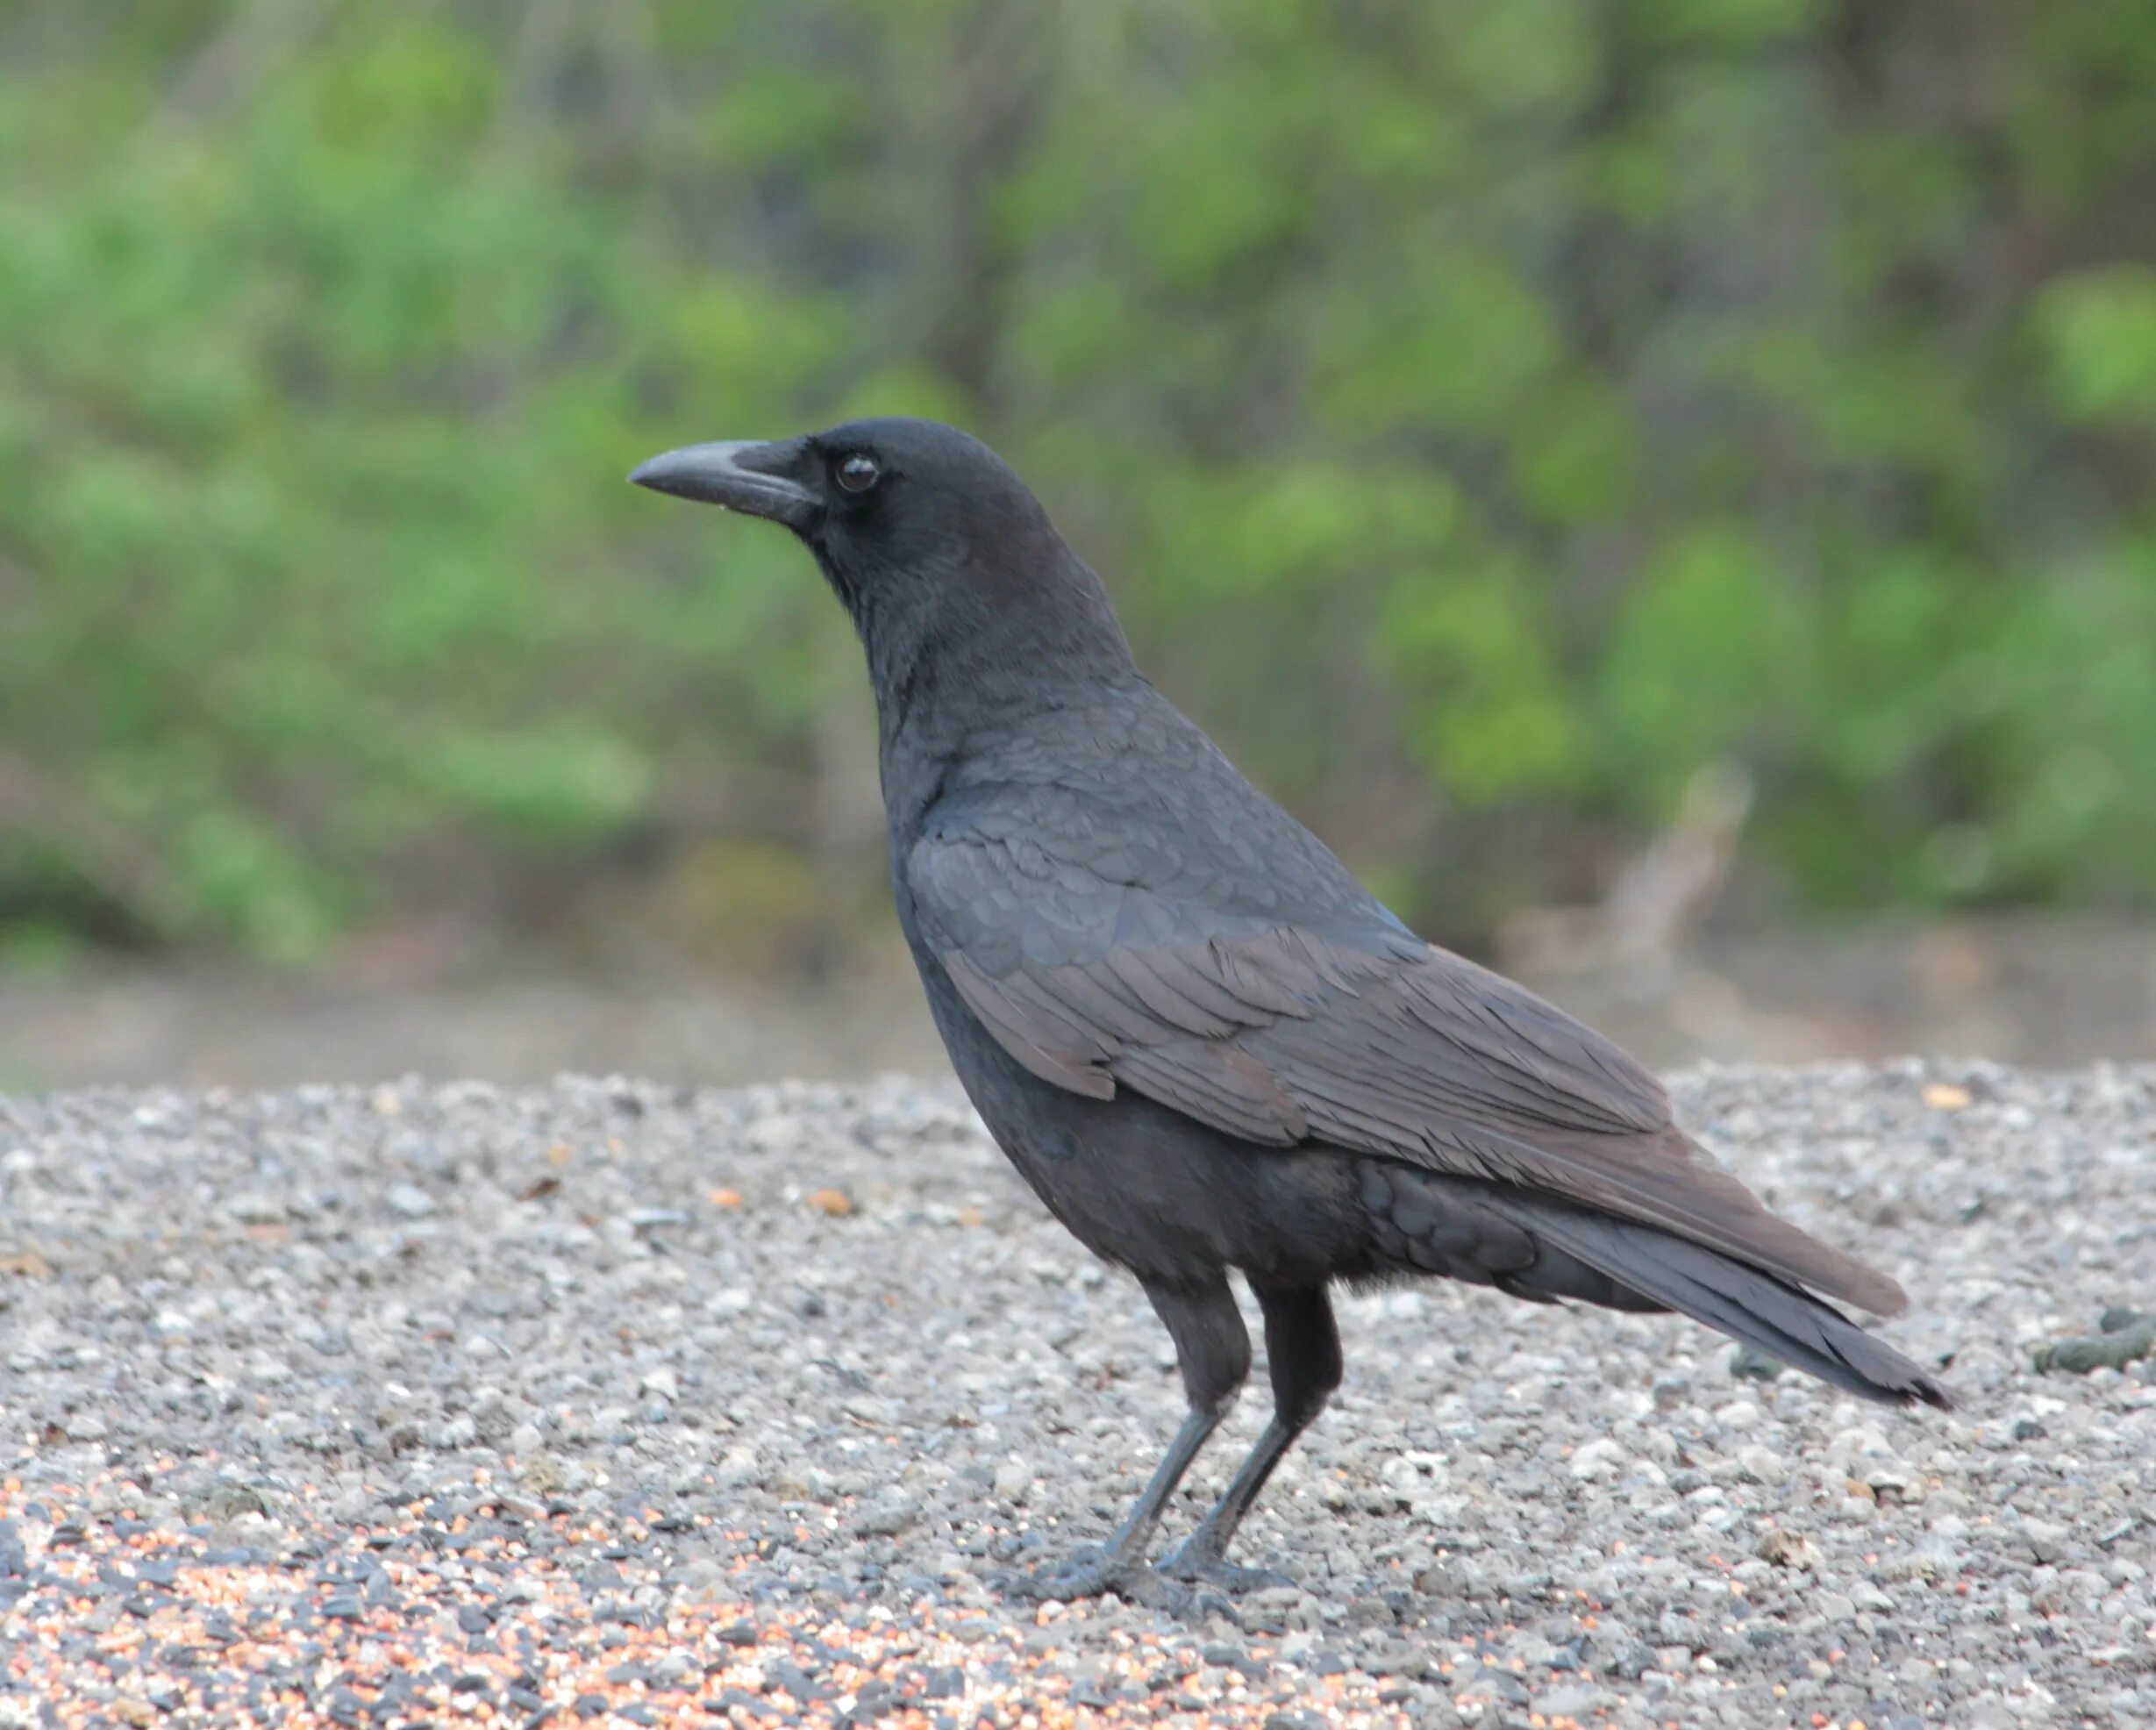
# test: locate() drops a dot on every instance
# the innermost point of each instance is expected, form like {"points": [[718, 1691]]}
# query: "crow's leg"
{"points": [[1303, 1348], [1212, 1349]]}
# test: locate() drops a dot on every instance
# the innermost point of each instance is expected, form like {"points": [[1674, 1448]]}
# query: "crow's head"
{"points": [[933, 544], [882, 503]]}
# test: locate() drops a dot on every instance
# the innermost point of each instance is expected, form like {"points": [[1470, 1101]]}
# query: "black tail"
{"points": [[1779, 1318]]}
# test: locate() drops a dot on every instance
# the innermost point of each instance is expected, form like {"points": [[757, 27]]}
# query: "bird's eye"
{"points": [[858, 473]]}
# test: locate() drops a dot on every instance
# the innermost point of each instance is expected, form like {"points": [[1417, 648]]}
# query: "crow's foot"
{"points": [[1087, 1573], [1093, 1572], [1197, 1564]]}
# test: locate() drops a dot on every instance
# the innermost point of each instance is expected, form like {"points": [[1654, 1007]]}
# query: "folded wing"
{"points": [[1342, 1029]]}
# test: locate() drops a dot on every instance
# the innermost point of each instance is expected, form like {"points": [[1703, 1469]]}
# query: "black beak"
{"points": [[740, 474]]}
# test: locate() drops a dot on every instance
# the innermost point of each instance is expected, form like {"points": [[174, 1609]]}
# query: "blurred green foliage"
{"points": [[1487, 415]]}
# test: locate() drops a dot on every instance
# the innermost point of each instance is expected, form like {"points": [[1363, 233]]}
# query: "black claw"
{"points": [[1095, 1574], [1087, 1573], [1201, 1567]]}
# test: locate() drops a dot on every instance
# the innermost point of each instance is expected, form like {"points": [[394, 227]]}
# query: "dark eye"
{"points": [[860, 472]]}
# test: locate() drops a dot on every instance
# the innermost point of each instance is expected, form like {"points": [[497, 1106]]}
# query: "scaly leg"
{"points": [[1212, 1349], [1303, 1348]]}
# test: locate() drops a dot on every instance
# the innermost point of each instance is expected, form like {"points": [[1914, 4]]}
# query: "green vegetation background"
{"points": [[1487, 416]]}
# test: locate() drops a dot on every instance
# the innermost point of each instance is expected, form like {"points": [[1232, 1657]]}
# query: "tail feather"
{"points": [[1743, 1302]]}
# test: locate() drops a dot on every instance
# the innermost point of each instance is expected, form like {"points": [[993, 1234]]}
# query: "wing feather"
{"points": [[1353, 1034]]}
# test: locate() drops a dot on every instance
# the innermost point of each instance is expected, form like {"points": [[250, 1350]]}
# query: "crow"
{"points": [[1202, 1043]]}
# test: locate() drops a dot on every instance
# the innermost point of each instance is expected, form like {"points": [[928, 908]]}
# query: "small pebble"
{"points": [[305, 1380]]}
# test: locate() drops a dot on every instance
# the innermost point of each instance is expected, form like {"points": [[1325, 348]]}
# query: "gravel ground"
{"points": [[628, 1404]]}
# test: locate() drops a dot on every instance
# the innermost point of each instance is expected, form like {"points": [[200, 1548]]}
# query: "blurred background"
{"points": [[1667, 488]]}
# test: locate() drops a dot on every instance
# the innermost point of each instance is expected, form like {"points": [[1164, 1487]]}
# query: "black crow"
{"points": [[1198, 1037]]}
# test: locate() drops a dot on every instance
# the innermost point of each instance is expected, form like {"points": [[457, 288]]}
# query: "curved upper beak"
{"points": [[740, 475]]}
